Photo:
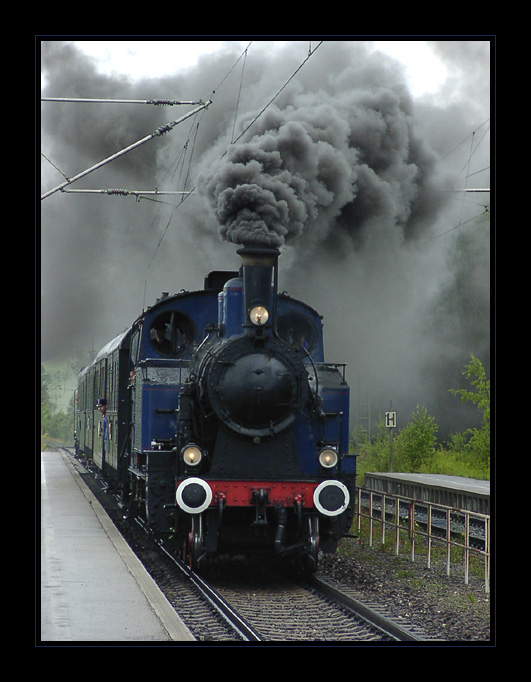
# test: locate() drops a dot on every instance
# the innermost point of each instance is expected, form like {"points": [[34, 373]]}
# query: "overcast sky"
{"points": [[426, 72]]}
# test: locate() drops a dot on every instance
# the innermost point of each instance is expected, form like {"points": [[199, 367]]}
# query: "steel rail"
{"points": [[239, 624], [377, 620]]}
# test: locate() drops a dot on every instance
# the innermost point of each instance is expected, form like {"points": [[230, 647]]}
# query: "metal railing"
{"points": [[429, 522]]}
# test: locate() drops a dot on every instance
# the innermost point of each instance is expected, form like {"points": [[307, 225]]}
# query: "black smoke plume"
{"points": [[325, 166]]}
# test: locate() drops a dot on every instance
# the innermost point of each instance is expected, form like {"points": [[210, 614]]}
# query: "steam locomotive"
{"points": [[222, 425]]}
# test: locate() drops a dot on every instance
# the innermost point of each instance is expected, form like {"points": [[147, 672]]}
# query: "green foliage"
{"points": [[454, 463], [55, 425], [46, 405], [415, 446], [475, 443], [375, 455], [61, 427]]}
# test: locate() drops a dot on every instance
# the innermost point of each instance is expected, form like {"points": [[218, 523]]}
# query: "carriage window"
{"points": [[297, 330], [172, 333], [134, 347]]}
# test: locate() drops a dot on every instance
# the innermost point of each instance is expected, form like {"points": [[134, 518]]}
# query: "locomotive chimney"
{"points": [[259, 272]]}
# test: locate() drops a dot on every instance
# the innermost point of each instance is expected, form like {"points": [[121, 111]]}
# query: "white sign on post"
{"points": [[390, 420]]}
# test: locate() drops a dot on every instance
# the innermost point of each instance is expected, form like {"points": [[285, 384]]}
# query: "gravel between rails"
{"points": [[444, 606]]}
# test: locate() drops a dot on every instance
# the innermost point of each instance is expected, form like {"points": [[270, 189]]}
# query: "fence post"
{"points": [[429, 536], [447, 542], [487, 554], [397, 521], [467, 541], [412, 528], [383, 518], [370, 521]]}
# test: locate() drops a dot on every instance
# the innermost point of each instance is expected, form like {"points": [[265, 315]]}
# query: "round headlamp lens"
{"points": [[192, 455], [328, 458], [259, 315]]}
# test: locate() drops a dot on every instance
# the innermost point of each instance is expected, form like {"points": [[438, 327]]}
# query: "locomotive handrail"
{"points": [[180, 365], [340, 366], [161, 362], [315, 375]]}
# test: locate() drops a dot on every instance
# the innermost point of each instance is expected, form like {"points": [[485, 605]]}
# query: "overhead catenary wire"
{"points": [[55, 166], [157, 133], [123, 192], [184, 196], [187, 194], [278, 93], [468, 189], [244, 53], [243, 56], [455, 227], [465, 139], [204, 103], [238, 100], [139, 194], [155, 102]]}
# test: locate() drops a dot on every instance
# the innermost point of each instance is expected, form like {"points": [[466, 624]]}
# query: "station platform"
{"points": [[452, 491], [93, 588]]}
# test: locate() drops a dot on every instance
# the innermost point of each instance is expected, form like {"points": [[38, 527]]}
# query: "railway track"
{"points": [[278, 607], [254, 601], [260, 602]]}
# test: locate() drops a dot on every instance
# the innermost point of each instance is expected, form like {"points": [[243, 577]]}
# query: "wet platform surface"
{"points": [[93, 588]]}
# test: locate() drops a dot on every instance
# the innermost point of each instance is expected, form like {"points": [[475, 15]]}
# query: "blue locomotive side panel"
{"points": [[335, 396], [157, 387], [169, 333], [327, 427]]}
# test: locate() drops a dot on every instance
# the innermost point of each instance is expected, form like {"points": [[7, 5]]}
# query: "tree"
{"points": [[413, 447], [55, 424], [416, 441], [478, 444], [46, 405]]}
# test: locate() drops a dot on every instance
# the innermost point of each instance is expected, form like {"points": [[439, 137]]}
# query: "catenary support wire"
{"points": [[157, 133], [156, 102]]}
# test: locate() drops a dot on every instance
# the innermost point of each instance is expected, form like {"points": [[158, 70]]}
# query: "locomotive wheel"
{"points": [[311, 558], [307, 563], [194, 545]]}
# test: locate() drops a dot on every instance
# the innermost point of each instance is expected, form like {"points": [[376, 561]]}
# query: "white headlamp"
{"points": [[259, 315]]}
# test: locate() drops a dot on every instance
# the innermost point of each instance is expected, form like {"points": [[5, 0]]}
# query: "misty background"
{"points": [[348, 172]]}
